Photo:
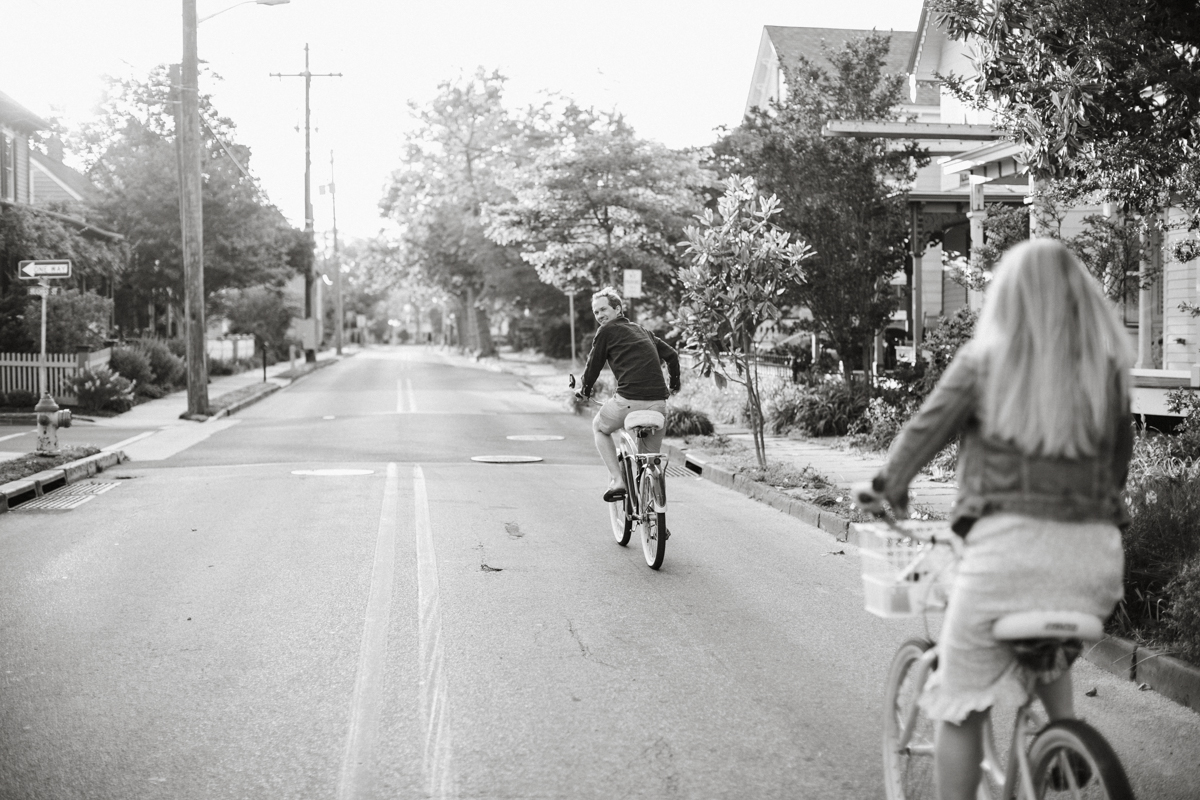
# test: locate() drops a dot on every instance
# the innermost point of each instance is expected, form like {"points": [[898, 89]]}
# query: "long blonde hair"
{"points": [[1055, 353]]}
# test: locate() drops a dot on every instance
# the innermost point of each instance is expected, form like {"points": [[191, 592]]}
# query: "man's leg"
{"points": [[608, 453]]}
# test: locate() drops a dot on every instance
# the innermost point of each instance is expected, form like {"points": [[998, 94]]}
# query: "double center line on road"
{"points": [[368, 685]]}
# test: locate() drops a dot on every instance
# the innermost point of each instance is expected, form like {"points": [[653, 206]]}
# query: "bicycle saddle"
{"points": [[1048, 625], [644, 419]]}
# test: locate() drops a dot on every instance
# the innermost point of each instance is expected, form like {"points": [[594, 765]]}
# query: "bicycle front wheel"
{"points": [[907, 733], [1070, 759]]}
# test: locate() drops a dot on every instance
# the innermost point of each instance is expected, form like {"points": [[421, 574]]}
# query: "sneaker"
{"points": [[1083, 773]]}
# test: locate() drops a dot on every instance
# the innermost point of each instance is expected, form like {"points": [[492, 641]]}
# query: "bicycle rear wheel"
{"points": [[653, 527], [907, 770], [621, 519], [1070, 759]]}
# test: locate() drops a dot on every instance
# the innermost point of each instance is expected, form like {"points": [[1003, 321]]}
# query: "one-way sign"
{"points": [[44, 269]]}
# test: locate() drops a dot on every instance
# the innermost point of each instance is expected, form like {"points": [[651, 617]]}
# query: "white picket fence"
{"points": [[19, 371], [231, 348]]}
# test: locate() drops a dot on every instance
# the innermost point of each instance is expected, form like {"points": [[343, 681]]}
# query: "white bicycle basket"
{"points": [[904, 576]]}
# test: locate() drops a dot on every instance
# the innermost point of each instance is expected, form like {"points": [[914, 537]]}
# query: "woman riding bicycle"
{"points": [[1039, 399], [635, 356]]}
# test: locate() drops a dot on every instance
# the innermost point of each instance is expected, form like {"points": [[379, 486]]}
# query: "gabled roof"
{"points": [[18, 116], [71, 182], [812, 43], [782, 45]]}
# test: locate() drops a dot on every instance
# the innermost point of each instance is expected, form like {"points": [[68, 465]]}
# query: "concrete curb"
{"points": [[271, 386], [16, 492], [1174, 679]]}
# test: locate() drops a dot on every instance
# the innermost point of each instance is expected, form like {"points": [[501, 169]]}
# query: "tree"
{"points": [[448, 174], [1103, 97], [75, 320], [262, 312], [597, 200], [845, 197], [130, 154], [742, 264]]}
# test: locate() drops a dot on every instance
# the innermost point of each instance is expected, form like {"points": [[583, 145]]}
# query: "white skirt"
{"points": [[1013, 563]]}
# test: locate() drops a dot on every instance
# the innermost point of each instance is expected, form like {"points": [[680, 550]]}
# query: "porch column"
{"points": [[977, 214], [1145, 337], [917, 309]]}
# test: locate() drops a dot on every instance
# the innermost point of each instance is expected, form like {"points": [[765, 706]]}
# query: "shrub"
{"points": [[219, 366], [880, 422], [1163, 536], [101, 389], [1185, 442], [1183, 613], [167, 368], [131, 363], [177, 346], [826, 409], [684, 421], [20, 398]]}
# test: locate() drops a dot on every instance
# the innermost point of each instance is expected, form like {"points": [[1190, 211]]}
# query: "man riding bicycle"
{"points": [[635, 356]]}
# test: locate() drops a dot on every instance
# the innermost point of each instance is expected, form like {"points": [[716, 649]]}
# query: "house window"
{"points": [[8, 167]]}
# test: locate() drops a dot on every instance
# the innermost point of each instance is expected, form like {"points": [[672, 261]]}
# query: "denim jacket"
{"points": [[994, 476]]}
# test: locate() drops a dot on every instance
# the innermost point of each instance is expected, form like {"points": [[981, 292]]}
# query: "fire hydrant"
{"points": [[49, 420]]}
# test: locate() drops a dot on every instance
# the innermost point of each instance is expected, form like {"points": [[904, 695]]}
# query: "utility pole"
{"points": [[337, 264], [312, 308], [191, 217]]}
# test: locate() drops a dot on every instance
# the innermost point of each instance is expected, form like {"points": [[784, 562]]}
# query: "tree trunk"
{"points": [[756, 415], [483, 329]]}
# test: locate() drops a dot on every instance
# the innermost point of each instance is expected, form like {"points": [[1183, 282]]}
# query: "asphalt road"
{"points": [[325, 597]]}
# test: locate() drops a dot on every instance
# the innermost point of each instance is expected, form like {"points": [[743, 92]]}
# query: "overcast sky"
{"points": [[677, 69]]}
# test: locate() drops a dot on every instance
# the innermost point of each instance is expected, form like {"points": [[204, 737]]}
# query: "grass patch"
{"points": [[31, 463]]}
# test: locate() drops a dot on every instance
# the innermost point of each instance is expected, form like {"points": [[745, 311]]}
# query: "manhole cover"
{"points": [[332, 472], [506, 459], [66, 498], [535, 437]]}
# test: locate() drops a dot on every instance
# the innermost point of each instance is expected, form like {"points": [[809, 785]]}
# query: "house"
{"points": [[33, 180], [939, 210], [1166, 335], [975, 165]]}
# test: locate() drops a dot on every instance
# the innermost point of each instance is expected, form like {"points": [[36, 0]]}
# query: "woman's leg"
{"points": [[1058, 697], [957, 754]]}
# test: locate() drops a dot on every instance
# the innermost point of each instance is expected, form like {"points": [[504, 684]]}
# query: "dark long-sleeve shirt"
{"points": [[635, 356]]}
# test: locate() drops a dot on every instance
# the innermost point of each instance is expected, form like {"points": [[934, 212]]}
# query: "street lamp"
{"points": [[191, 215]]}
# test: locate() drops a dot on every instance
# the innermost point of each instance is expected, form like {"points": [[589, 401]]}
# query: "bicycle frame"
{"points": [[635, 463]]}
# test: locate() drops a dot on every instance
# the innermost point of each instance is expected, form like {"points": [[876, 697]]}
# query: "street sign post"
{"points": [[633, 283], [39, 270], [42, 271]]}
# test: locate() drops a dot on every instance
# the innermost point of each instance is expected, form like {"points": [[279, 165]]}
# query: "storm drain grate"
{"points": [[679, 472], [66, 498]]}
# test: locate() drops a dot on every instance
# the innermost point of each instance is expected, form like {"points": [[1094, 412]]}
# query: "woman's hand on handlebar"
{"points": [[868, 496]]}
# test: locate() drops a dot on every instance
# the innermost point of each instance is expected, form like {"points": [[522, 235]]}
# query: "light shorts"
{"points": [[611, 416], [1013, 563]]}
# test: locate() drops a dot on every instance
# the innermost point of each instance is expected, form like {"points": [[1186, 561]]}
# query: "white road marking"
{"points": [[368, 685], [14, 435], [435, 765], [412, 400], [127, 442], [169, 441]]}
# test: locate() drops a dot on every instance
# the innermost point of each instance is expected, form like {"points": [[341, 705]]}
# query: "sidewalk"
{"points": [[168, 411]]}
